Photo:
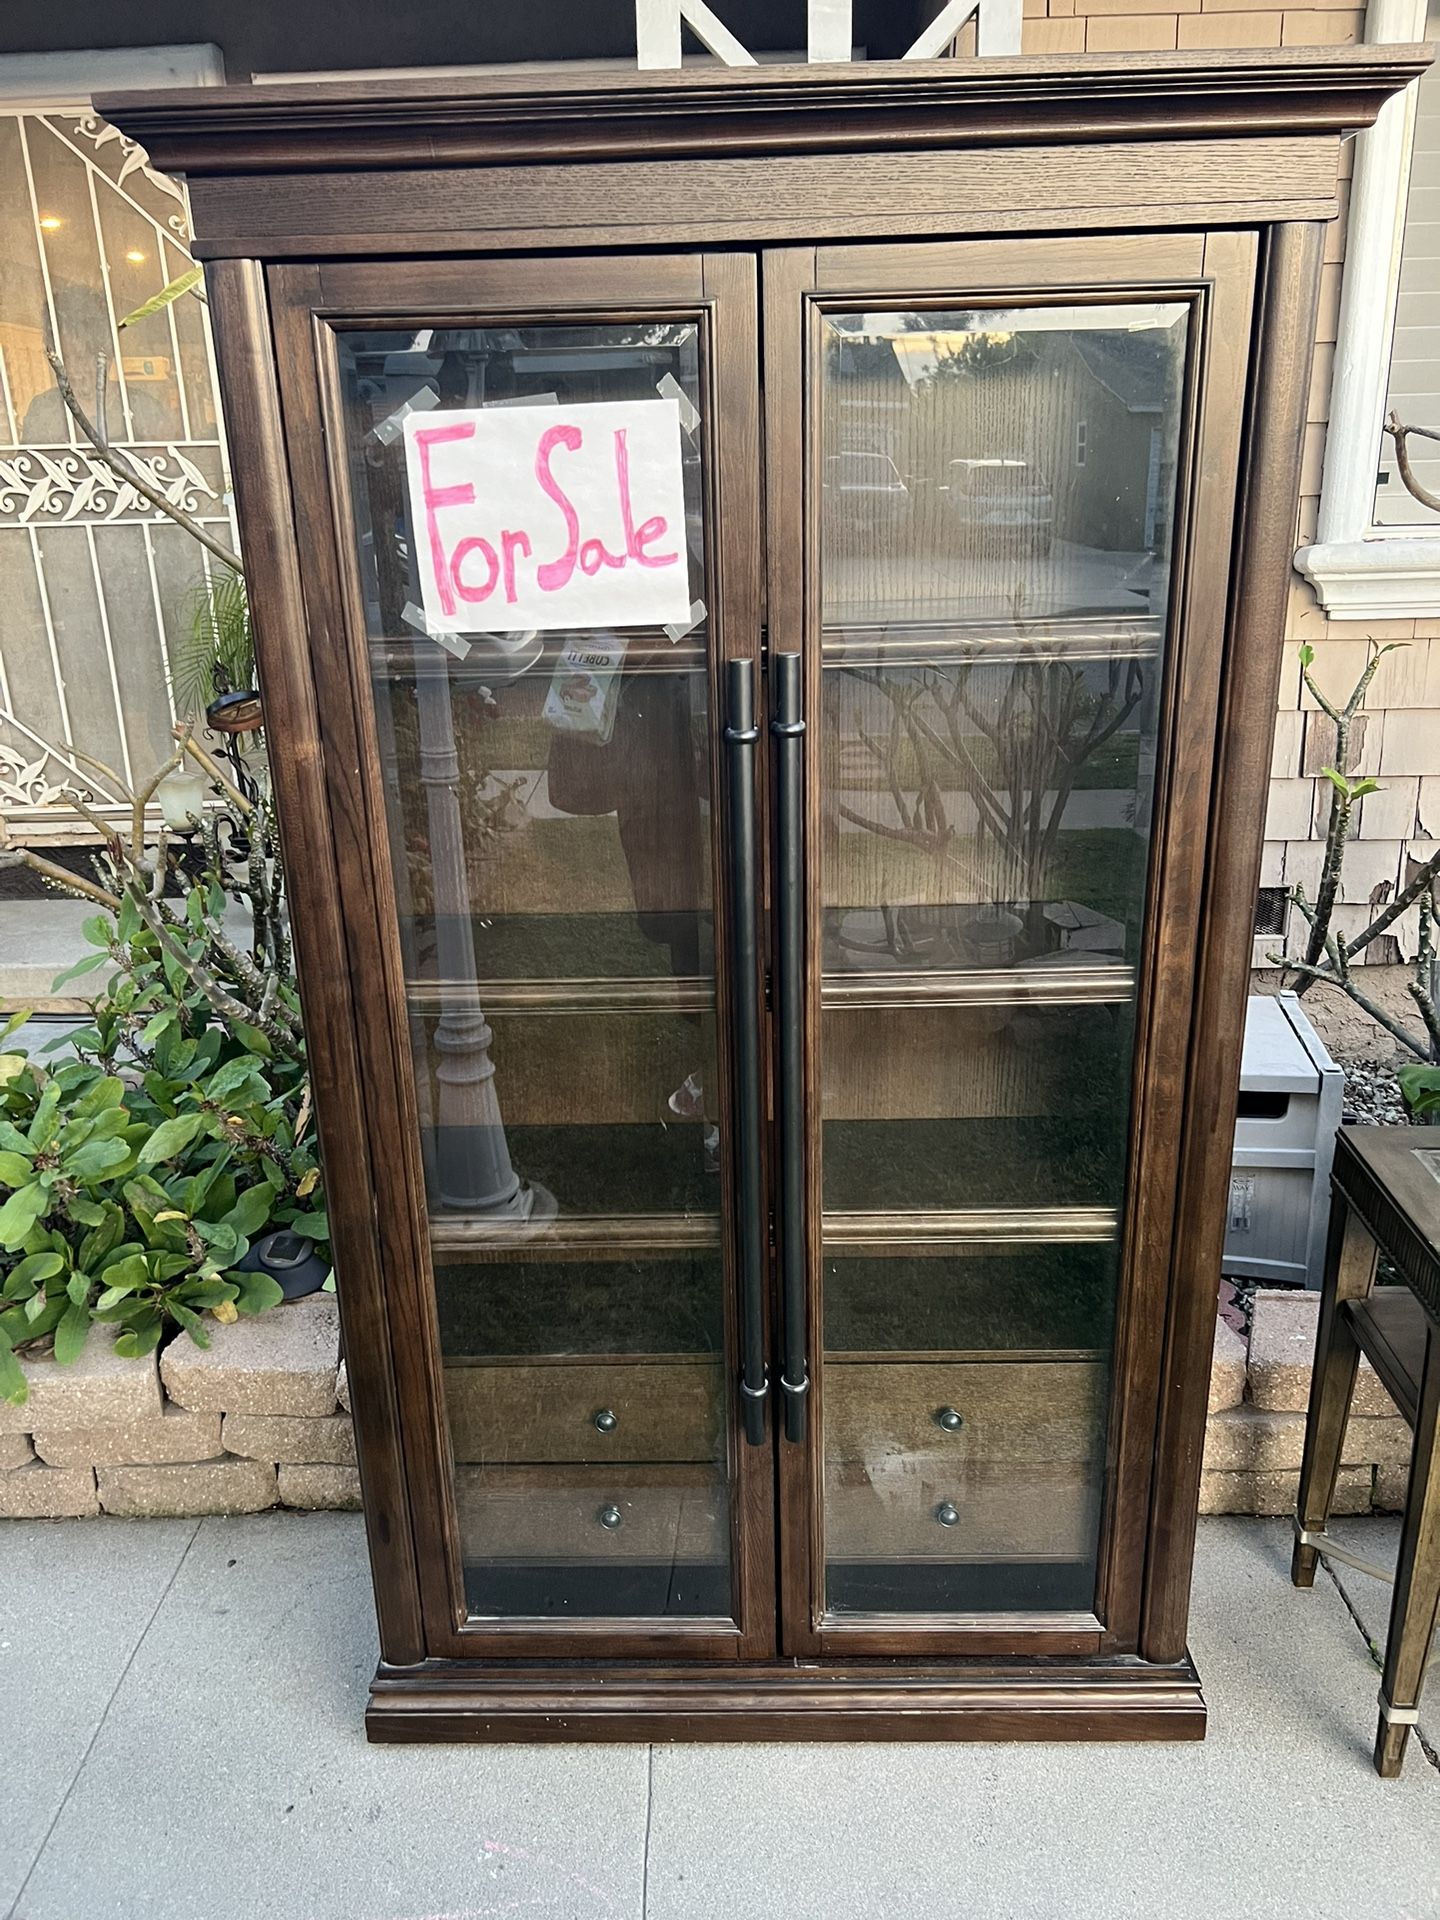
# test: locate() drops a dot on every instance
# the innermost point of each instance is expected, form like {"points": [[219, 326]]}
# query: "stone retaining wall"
{"points": [[256, 1420], [260, 1419], [1255, 1435]]}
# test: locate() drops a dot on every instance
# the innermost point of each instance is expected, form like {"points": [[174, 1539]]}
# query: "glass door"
{"points": [[529, 459], [1003, 450]]}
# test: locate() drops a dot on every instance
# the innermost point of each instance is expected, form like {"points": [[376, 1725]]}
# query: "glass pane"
{"points": [[548, 798], [997, 506]]}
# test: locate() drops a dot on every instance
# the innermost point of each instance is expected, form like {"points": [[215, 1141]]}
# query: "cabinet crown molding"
{"points": [[1020, 100]]}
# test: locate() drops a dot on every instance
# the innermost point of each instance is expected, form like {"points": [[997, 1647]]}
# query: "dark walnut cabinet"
{"points": [[775, 1048]]}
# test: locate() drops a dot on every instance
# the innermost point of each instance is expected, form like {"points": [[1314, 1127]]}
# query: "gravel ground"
{"points": [[1372, 1095]]}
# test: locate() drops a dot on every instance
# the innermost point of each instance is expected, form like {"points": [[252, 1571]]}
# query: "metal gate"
{"points": [[95, 585]]}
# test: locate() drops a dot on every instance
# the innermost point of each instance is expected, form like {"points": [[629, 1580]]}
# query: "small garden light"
{"points": [[182, 800]]}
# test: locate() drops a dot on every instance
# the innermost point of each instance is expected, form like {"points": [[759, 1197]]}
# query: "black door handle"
{"points": [[788, 729], [741, 734]]}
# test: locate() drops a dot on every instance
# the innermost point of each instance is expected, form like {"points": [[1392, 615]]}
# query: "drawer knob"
{"points": [[611, 1518], [949, 1418], [947, 1515], [606, 1420]]}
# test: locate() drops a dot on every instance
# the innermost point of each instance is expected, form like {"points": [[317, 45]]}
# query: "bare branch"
{"points": [[1400, 433], [62, 876], [121, 463], [212, 767], [1325, 976], [1421, 884], [1420, 987], [222, 1001], [144, 795]]}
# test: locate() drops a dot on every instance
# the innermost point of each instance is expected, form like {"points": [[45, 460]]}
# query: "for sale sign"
{"points": [[546, 517]]}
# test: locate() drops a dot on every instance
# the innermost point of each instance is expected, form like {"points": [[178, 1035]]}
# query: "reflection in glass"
{"points": [[997, 502], [549, 815]]}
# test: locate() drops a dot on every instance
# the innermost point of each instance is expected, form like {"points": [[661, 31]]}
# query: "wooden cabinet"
{"points": [[775, 1034]]}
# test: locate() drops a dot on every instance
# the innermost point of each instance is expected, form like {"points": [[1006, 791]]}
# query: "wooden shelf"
{"points": [[982, 987], [915, 1233], [962, 1356], [657, 993], [393, 655], [615, 1236], [669, 993], [949, 643], [600, 1236]]}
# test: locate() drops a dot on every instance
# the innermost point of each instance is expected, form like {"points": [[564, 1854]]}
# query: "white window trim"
{"points": [[1361, 571]]}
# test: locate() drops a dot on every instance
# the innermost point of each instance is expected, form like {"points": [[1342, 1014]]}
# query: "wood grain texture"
{"points": [[532, 205], [787, 274], [666, 1410], [1020, 1411], [1392, 1328], [1386, 1182], [373, 290], [1259, 586], [308, 829], [1036, 261], [976, 1701], [383, 1092], [735, 558], [1141, 183], [1006, 1512], [1350, 1267], [364, 124], [1220, 369], [667, 1514], [341, 659], [1416, 1604]]}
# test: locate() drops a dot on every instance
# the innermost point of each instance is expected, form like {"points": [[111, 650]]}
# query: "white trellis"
{"points": [[659, 24]]}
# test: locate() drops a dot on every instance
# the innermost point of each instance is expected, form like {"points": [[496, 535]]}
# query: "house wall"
{"points": [[1401, 725]]}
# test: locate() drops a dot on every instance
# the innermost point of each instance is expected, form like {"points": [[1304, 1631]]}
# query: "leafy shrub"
{"points": [[135, 1176], [134, 1194]]}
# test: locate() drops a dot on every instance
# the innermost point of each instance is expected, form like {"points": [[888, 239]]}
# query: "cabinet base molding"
{"points": [[1124, 1699]]}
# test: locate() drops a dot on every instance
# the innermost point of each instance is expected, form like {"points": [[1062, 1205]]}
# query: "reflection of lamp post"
{"points": [[472, 1159]]}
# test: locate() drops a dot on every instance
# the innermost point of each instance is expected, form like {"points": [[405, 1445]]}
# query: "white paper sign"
{"points": [[546, 517]]}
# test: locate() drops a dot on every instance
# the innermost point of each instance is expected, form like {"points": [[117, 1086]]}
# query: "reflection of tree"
{"points": [[974, 355], [1016, 757]]}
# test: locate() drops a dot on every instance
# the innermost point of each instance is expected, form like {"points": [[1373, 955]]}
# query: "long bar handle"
{"points": [[788, 730], [741, 735]]}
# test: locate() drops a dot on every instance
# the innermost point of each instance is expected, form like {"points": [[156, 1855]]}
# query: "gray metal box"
{"points": [[1290, 1103]]}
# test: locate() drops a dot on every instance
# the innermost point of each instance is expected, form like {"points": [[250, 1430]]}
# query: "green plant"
{"points": [[136, 1175], [1327, 955], [136, 1182], [1421, 1088], [217, 652]]}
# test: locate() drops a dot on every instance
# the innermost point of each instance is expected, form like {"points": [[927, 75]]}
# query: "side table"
{"points": [[1386, 1198]]}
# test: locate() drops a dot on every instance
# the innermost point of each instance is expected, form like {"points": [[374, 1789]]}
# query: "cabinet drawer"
{"points": [[1025, 1411], [669, 1410], [1012, 1512], [660, 1514]]}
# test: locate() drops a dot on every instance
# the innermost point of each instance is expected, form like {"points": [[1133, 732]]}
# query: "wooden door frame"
{"points": [[1214, 274], [309, 305]]}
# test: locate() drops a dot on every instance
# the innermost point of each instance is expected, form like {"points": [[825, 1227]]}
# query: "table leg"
{"points": [[1417, 1579], [1350, 1259]]}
